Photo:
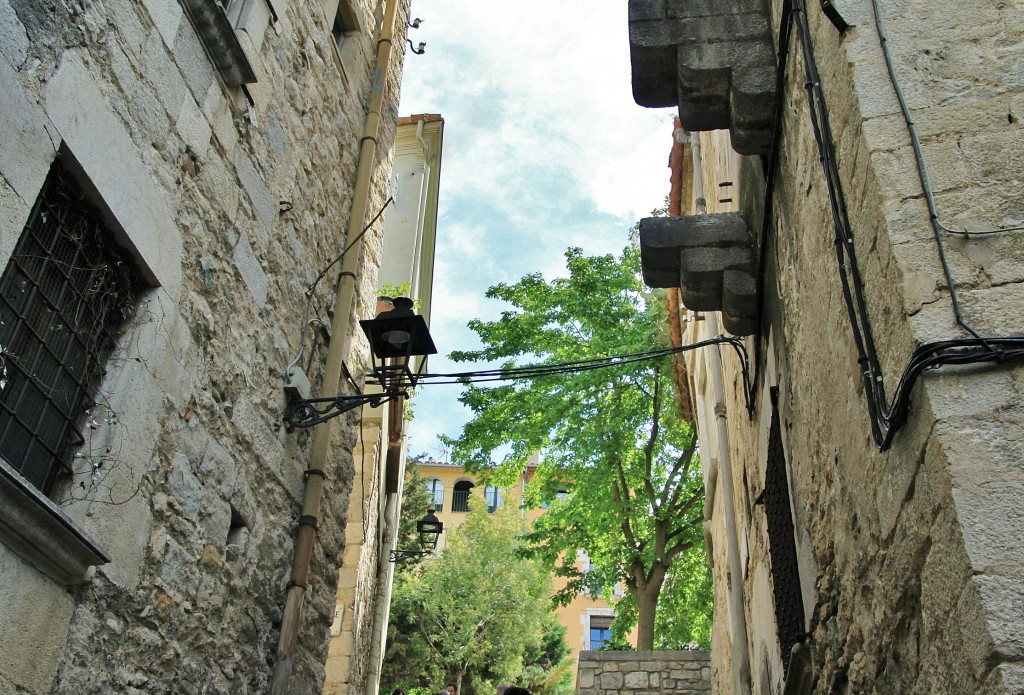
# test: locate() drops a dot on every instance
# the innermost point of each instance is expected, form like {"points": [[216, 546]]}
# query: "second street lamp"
{"points": [[429, 529]]}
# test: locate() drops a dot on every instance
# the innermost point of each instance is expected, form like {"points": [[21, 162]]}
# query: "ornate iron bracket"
{"points": [[402, 555], [313, 411]]}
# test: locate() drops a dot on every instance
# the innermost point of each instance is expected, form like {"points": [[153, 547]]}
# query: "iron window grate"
{"points": [[63, 295], [789, 607]]}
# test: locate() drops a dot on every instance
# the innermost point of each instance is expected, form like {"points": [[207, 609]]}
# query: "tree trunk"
{"points": [[646, 594]]}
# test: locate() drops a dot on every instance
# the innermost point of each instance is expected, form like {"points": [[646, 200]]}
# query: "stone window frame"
{"points": [[32, 525], [252, 17], [64, 260], [348, 34], [773, 399], [602, 616], [232, 35], [76, 123]]}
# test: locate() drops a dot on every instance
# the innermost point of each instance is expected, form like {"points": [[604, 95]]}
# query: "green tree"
{"points": [[613, 435], [473, 616], [415, 501]]}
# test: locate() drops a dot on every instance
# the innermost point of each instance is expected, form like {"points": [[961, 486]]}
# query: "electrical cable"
{"points": [[886, 417], [577, 366], [340, 256], [312, 288], [916, 141]]}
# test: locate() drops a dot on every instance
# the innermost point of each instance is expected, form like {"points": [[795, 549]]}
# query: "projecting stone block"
{"points": [[710, 258], [715, 60]]}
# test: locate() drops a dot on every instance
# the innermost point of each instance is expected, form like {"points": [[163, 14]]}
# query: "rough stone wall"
{"points": [[910, 560], [188, 478], [643, 673]]}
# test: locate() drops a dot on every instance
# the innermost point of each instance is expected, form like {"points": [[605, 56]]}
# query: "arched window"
{"points": [[435, 491], [460, 495]]}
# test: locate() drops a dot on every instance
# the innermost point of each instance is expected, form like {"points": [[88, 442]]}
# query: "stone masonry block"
{"points": [[1003, 601], [715, 61], [585, 679], [636, 680], [611, 681]]}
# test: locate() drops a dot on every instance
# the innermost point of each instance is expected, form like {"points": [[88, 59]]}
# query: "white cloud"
{"points": [[544, 149]]}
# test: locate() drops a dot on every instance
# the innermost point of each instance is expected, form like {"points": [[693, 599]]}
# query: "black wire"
{"points": [[849, 274], [558, 368], [337, 259], [915, 141], [886, 417], [785, 32], [922, 172]]}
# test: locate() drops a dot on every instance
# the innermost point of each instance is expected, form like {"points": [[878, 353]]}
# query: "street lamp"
{"points": [[429, 529], [396, 337]]}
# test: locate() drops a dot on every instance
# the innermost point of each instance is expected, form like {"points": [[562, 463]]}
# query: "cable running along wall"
{"points": [[886, 416]]}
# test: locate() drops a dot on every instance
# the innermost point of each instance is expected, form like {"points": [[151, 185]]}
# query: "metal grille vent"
{"points": [[63, 295], [789, 608]]}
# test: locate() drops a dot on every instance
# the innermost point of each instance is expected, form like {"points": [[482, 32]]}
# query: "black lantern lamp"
{"points": [[429, 529], [396, 337]]}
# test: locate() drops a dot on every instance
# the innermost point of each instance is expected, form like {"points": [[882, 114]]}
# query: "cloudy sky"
{"points": [[544, 149]]}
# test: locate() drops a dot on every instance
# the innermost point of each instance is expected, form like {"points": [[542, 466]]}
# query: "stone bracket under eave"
{"points": [[710, 258], [714, 59]]}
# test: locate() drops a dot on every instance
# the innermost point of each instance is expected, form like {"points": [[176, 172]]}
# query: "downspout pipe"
{"points": [[337, 351], [385, 583], [734, 575], [394, 478]]}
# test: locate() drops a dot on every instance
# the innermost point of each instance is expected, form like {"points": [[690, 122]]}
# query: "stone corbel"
{"points": [[710, 258], [714, 59]]}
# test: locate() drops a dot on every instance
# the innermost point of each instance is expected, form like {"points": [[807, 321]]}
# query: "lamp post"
{"points": [[396, 337], [429, 529]]}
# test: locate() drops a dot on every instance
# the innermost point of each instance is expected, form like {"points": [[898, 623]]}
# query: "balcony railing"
{"points": [[460, 500]]}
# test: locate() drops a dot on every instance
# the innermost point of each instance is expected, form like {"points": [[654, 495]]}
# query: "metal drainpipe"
{"points": [[394, 458], [737, 612], [336, 353], [385, 583]]}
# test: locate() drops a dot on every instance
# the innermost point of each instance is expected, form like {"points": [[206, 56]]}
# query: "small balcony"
{"points": [[460, 501]]}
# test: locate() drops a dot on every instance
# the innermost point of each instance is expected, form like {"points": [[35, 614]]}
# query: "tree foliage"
{"points": [[613, 435], [474, 616], [415, 502]]}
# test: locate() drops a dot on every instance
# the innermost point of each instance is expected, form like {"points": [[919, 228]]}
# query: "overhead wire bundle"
{"points": [[886, 416], [542, 370]]}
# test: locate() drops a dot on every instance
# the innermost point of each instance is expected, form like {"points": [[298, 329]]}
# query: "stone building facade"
{"points": [[863, 476], [202, 164], [641, 673]]}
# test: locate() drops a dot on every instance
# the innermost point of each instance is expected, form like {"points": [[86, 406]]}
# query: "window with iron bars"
{"points": [[789, 607], [64, 294]]}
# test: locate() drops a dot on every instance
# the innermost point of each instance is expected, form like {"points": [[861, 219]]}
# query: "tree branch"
{"points": [[680, 470], [652, 440]]}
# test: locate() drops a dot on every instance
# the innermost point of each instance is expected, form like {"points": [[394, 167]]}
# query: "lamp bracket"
{"points": [[403, 555], [308, 412]]}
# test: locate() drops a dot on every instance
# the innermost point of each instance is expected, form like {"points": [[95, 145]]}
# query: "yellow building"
{"points": [[587, 619]]}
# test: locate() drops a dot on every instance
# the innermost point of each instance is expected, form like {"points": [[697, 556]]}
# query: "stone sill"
{"points": [[33, 527]]}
